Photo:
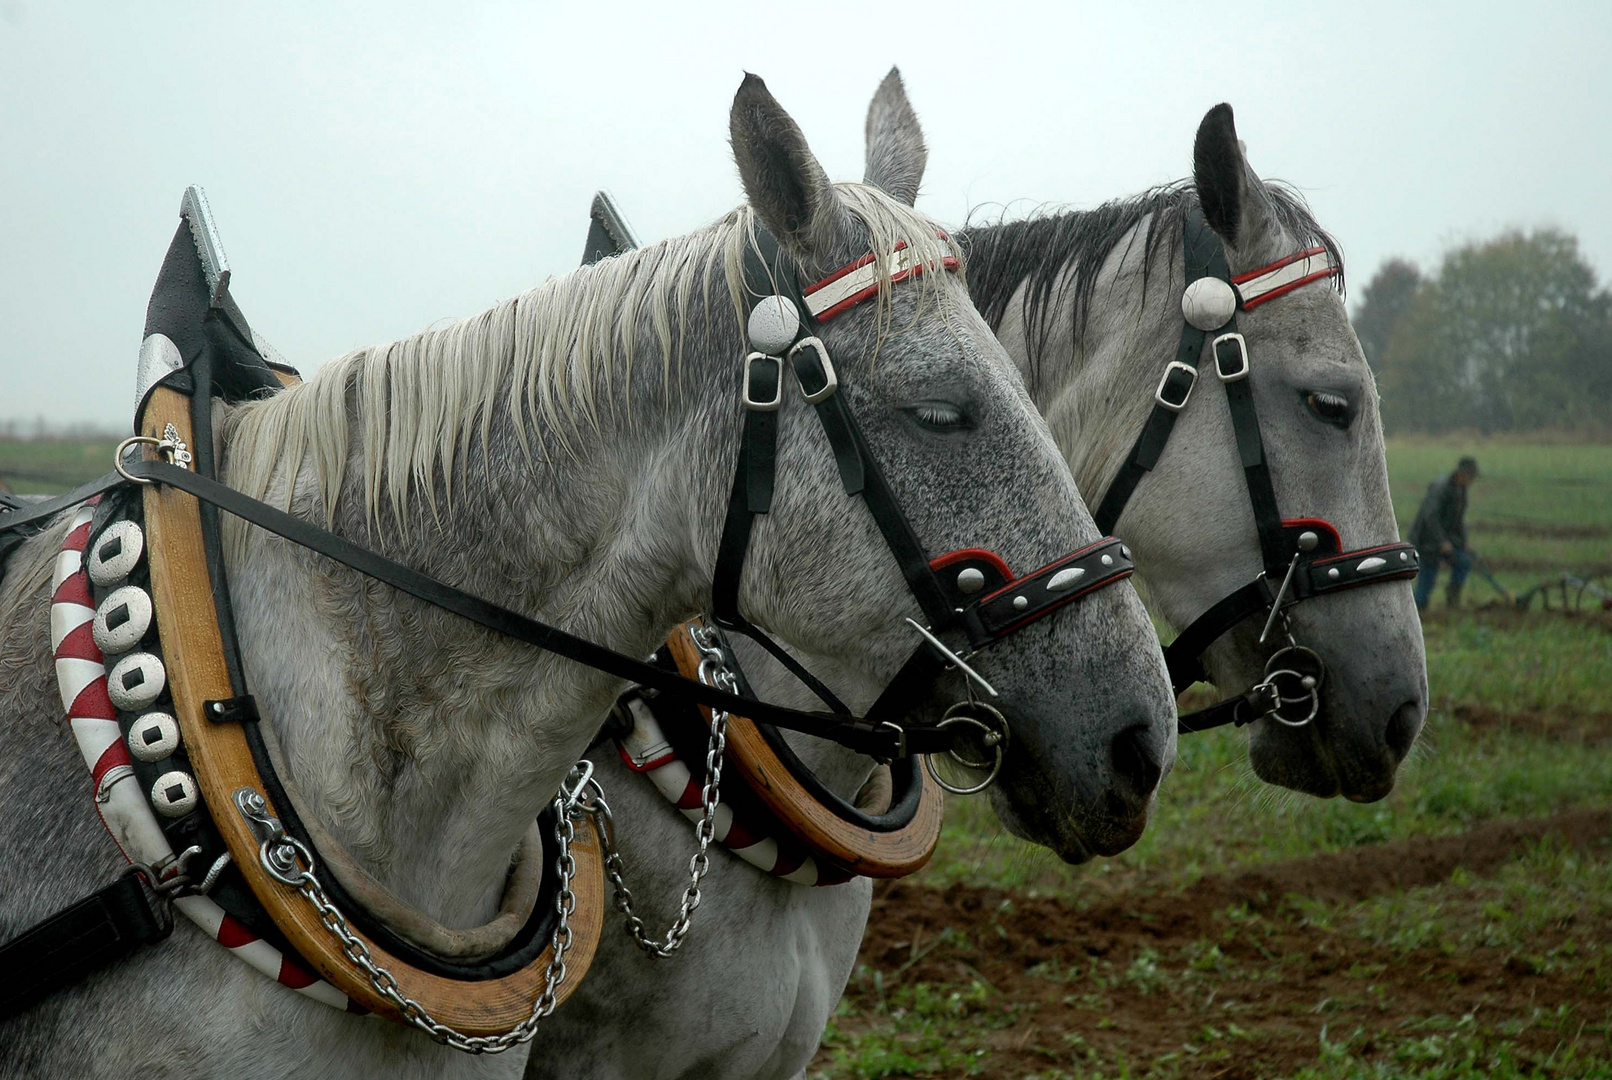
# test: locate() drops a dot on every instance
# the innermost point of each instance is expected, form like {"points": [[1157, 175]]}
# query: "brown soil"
{"points": [[1304, 975], [1591, 729]]}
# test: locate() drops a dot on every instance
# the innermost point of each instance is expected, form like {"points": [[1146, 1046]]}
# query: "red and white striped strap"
{"points": [[645, 750], [855, 282], [1283, 276], [81, 678]]}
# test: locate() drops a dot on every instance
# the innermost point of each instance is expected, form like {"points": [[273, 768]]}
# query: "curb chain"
{"points": [[713, 671]]}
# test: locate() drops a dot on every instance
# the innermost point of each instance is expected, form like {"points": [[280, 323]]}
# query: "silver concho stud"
{"points": [[1208, 303], [774, 322], [1333, 575], [174, 794], [970, 580], [122, 620], [154, 736], [1308, 540], [136, 681], [1065, 579], [1107, 560], [116, 552], [1020, 603]]}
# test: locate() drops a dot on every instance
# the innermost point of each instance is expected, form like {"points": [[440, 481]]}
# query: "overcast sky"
{"points": [[377, 170]]}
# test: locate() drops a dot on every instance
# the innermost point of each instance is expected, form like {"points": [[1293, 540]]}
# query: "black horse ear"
{"points": [[787, 188], [1218, 170]]}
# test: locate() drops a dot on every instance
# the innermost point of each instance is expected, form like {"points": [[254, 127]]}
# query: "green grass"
{"points": [[1534, 509], [48, 466], [1520, 726]]}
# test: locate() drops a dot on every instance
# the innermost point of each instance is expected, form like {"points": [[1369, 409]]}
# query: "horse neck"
{"points": [[423, 744], [1092, 382]]}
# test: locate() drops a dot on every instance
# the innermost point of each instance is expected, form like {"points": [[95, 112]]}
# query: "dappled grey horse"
{"points": [[1089, 304], [569, 453]]}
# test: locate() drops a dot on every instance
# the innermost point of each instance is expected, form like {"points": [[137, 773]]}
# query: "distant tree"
{"points": [[1387, 296], [1513, 334]]}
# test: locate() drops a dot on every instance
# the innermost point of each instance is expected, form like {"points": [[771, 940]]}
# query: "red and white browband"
{"points": [[1283, 276], [855, 282]]}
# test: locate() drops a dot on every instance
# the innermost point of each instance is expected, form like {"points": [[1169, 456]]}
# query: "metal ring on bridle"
{"points": [[147, 440], [1309, 683], [995, 737]]}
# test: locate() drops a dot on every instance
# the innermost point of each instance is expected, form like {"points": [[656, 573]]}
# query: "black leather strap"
{"points": [[39, 512], [1230, 355], [1202, 255], [1183, 655], [97, 931], [854, 732]]}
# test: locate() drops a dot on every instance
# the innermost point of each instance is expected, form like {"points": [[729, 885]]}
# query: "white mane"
{"points": [[550, 360]]}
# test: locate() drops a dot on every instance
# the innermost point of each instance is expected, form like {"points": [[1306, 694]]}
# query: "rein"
{"points": [[1305, 555]]}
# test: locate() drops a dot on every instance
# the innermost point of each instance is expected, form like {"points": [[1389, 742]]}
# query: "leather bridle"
{"points": [[970, 591], [1303, 556]]}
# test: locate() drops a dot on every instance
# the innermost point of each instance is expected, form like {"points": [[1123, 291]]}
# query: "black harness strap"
{"points": [[97, 931], [37, 513], [1283, 545], [859, 734], [1202, 256]]}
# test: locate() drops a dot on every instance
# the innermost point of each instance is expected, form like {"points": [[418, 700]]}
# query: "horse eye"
{"points": [[939, 415], [1330, 408]]}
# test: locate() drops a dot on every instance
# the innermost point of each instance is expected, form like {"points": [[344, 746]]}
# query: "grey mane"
{"points": [[1036, 251]]}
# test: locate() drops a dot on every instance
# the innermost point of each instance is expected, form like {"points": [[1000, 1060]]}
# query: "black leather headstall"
{"points": [[1303, 557]]}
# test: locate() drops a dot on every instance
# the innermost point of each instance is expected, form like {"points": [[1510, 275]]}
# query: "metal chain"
{"points": [[280, 855], [713, 671]]}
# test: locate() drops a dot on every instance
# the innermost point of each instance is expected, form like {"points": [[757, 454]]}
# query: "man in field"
{"points": [[1439, 533]]}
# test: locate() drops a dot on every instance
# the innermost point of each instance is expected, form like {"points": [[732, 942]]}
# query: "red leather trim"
{"points": [[1044, 612], [940, 562], [1398, 545], [649, 766], [950, 262], [1278, 264], [1013, 582], [1315, 523], [846, 269], [1283, 290]]}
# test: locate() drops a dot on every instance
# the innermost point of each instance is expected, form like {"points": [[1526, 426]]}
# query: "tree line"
{"points": [[1510, 334]]}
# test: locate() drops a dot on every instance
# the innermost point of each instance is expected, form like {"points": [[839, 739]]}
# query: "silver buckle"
{"points": [[832, 380], [1242, 351], [1158, 394], [778, 388]]}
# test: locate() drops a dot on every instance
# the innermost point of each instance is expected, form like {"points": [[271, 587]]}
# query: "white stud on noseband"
{"points": [[136, 681], [1209, 303], [774, 322], [970, 580]]}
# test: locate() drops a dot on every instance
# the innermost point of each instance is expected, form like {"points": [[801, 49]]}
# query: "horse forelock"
{"points": [[549, 365], [1056, 255]]}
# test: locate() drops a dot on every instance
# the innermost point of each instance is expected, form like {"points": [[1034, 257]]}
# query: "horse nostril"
{"points": [[1403, 727], [1138, 759]]}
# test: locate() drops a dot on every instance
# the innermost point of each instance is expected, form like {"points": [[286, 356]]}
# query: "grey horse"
{"points": [[568, 454], [760, 977]]}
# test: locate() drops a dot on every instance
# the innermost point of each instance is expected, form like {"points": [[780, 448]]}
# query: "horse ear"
{"points": [[787, 188], [896, 152], [1232, 196]]}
